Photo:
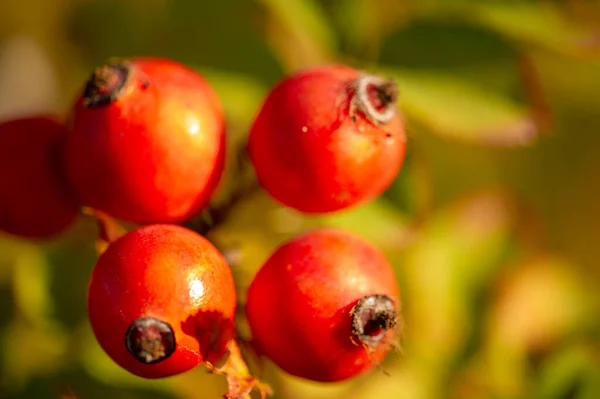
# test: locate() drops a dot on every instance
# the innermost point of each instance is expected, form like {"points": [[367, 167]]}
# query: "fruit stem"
{"points": [[240, 381], [150, 340], [376, 98], [109, 230], [217, 213]]}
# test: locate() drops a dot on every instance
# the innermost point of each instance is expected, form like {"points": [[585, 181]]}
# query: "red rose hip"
{"points": [[325, 306], [161, 300], [34, 199], [328, 138], [147, 141]]}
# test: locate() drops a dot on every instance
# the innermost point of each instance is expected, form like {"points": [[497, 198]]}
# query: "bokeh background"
{"points": [[493, 225]]}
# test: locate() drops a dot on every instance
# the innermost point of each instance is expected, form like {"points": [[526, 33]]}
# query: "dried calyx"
{"points": [[375, 97], [106, 84], [150, 340], [372, 317]]}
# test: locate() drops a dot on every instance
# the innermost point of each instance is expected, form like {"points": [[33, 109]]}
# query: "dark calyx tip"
{"points": [[376, 98], [387, 93], [372, 317], [150, 340], [106, 84]]}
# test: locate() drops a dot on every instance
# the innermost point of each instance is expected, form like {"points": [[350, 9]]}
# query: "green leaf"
{"points": [[378, 221], [31, 286], [241, 95], [569, 370], [539, 302], [540, 24], [302, 34], [30, 350], [455, 256], [363, 27], [412, 191], [458, 110]]}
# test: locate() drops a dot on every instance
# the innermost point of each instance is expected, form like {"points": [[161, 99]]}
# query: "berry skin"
{"points": [[34, 200], [325, 306], [148, 141], [328, 138], [161, 301]]}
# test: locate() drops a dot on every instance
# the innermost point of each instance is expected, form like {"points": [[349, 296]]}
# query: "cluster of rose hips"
{"points": [[145, 143]]}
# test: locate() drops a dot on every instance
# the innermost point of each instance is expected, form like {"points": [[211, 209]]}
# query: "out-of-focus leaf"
{"points": [[290, 386], [568, 370], [241, 95], [300, 32], [412, 190], [538, 302], [10, 248], [458, 110], [77, 384], [33, 342], [31, 350], [412, 379], [498, 374], [363, 26], [455, 256], [540, 23], [31, 286], [387, 227], [590, 386]]}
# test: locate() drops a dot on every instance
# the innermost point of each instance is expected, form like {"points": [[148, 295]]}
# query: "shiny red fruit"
{"points": [[34, 199], [147, 141], [328, 138], [161, 301], [325, 306]]}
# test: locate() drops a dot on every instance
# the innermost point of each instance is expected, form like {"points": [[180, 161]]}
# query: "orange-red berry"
{"points": [[161, 301], [328, 138], [147, 141], [34, 199], [325, 306]]}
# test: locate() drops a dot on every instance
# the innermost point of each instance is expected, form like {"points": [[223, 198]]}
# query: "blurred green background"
{"points": [[493, 225]]}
